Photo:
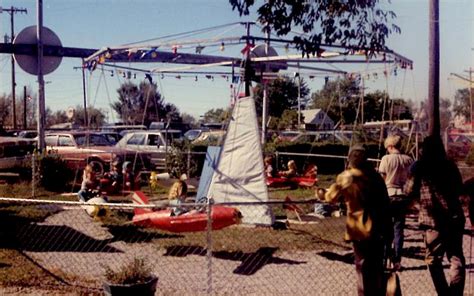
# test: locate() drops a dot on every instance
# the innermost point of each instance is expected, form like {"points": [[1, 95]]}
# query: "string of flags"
{"points": [[373, 75], [147, 53], [128, 74]]}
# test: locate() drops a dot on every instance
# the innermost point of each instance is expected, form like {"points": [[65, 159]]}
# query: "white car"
{"points": [[155, 144]]}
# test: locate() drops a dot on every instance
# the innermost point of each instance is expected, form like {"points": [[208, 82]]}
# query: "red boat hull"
{"points": [[278, 182], [191, 221]]}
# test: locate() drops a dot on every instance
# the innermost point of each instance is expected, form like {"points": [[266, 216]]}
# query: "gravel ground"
{"points": [[279, 273]]}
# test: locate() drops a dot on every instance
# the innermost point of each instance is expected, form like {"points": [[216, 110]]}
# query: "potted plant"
{"points": [[134, 278]]}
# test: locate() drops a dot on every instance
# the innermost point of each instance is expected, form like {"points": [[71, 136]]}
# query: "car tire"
{"points": [[97, 166]]}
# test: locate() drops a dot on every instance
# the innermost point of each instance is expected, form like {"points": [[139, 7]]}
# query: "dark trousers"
{"points": [[398, 206], [369, 260], [447, 242]]}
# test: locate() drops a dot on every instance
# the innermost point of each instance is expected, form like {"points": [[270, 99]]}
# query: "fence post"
{"points": [[33, 174], [277, 161], [209, 246], [188, 164]]}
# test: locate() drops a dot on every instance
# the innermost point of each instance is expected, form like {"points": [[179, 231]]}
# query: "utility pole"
{"points": [[433, 76], [25, 97], [470, 94], [12, 12], [41, 104]]}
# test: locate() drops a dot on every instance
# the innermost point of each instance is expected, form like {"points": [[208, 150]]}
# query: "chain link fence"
{"points": [[303, 253]]}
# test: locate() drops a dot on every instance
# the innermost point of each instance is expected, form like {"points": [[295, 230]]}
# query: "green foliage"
{"points": [[143, 104], [282, 95], [289, 120], [53, 174], [462, 105], [338, 99], [134, 272], [177, 160], [341, 99], [95, 116], [218, 115], [352, 24], [56, 117], [326, 165]]}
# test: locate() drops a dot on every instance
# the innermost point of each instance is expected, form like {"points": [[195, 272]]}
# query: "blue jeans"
{"points": [[398, 207]]}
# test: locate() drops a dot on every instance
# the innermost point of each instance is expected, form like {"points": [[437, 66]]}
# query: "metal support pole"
{"points": [[209, 246], [13, 69], [41, 98], [433, 77], [86, 118], [24, 107]]}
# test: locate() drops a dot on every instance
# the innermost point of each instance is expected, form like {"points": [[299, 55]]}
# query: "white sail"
{"points": [[239, 176]]}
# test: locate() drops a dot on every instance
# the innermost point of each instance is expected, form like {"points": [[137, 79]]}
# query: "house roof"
{"points": [[310, 114]]}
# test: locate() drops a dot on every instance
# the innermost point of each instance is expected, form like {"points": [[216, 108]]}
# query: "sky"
{"points": [[107, 23]]}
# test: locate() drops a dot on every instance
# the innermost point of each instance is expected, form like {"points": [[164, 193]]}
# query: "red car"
{"points": [[79, 148]]}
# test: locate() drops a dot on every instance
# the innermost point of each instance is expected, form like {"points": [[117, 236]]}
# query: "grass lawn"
{"points": [[16, 269]]}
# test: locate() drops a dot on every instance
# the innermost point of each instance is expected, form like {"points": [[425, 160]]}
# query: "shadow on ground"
{"points": [[251, 262]]}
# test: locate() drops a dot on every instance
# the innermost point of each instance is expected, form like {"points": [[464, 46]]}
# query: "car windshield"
{"points": [[192, 134], [172, 136], [91, 140]]}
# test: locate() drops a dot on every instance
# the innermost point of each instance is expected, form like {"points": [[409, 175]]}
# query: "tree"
{"points": [[143, 104], [5, 103], [189, 119], [289, 120], [218, 115], [352, 24], [282, 95], [56, 117], [462, 103], [339, 99], [96, 117]]}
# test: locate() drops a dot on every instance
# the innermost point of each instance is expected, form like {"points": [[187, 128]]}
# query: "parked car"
{"points": [[206, 136], [79, 148], [154, 143], [120, 128], [193, 134], [28, 134], [112, 137], [14, 151]]}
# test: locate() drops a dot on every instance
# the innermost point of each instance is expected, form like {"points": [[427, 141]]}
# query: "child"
{"points": [[90, 184], [268, 166], [128, 177], [177, 195], [291, 172], [112, 182]]}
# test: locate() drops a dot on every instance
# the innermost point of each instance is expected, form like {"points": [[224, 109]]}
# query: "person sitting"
{"points": [[268, 161], [112, 181], [290, 172], [176, 196], [311, 171], [90, 185], [128, 176]]}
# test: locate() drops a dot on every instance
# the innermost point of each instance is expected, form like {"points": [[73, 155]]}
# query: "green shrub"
{"points": [[54, 174], [177, 160], [132, 273]]}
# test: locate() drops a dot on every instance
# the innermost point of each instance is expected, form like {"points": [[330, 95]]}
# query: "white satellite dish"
{"points": [[29, 63]]}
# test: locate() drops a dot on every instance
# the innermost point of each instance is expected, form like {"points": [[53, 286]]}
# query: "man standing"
{"points": [[367, 225], [394, 168], [436, 182]]}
